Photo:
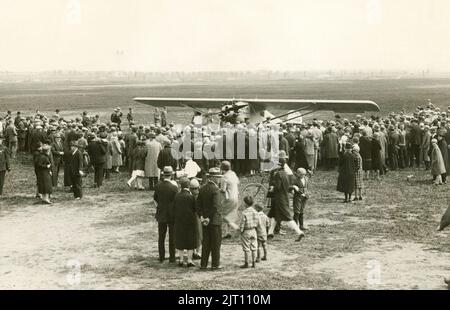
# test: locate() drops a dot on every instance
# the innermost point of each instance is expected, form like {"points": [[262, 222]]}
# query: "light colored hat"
{"points": [[194, 183], [167, 171], [214, 172]]}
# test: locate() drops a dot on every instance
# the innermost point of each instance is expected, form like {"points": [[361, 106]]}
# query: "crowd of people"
{"points": [[194, 170]]}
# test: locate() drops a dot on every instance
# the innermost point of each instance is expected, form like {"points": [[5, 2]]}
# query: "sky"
{"points": [[224, 35]]}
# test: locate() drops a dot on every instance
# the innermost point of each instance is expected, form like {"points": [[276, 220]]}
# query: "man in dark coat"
{"points": [[130, 143], [185, 222], [290, 137], [347, 170], [37, 139], [97, 149], [4, 164], [165, 157], [330, 146], [393, 148], [76, 170], [164, 196], [416, 140], [57, 154], [208, 203], [300, 157], [70, 136]]}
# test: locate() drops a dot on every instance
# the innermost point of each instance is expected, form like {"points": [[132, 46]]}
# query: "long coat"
{"points": [[347, 170], [165, 158], [185, 219], [280, 209], [365, 144], [108, 162], [300, 157], [425, 147], [437, 162], [138, 157], [116, 156], [164, 195], [151, 164], [330, 145], [208, 203], [443, 146], [377, 155], [383, 151], [44, 177], [230, 203]]}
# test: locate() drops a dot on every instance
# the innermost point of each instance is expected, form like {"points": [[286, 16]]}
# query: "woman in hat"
{"points": [[437, 163], [194, 187], [347, 169], [230, 202], [44, 173], [359, 173], [185, 224]]}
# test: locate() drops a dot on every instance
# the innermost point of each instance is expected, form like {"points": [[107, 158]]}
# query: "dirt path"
{"points": [[114, 246]]}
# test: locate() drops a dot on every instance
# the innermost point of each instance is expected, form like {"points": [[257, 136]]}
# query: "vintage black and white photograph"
{"points": [[224, 145]]}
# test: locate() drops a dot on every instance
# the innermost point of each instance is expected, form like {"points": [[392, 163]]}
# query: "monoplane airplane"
{"points": [[256, 110]]}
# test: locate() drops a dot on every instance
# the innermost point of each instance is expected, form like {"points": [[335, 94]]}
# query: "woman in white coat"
{"points": [[230, 202]]}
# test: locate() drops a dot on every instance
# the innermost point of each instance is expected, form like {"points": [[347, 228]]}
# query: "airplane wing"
{"points": [[340, 106], [185, 102], [256, 105]]}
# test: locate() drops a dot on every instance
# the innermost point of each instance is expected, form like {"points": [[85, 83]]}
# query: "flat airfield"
{"points": [[387, 241]]}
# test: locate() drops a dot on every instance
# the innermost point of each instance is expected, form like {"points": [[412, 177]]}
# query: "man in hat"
{"points": [[209, 208], [57, 150], [130, 143], [76, 170], [164, 196], [152, 171], [116, 117], [130, 116], [164, 117], [4, 164], [97, 149], [11, 138]]}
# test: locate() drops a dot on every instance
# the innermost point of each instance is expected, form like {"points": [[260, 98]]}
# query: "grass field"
{"points": [[112, 233]]}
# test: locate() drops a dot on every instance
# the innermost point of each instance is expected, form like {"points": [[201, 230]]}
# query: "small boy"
{"points": [[249, 223], [301, 195], [261, 232]]}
